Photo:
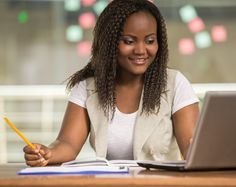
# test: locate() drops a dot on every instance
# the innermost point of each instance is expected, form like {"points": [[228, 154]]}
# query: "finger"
{"points": [[44, 163], [37, 147], [27, 149], [31, 157], [35, 163], [43, 151], [46, 153]]}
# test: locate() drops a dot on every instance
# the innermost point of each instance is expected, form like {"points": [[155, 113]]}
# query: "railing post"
{"points": [[3, 132], [47, 115]]}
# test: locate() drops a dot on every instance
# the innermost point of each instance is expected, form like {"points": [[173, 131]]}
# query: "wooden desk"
{"points": [[137, 177]]}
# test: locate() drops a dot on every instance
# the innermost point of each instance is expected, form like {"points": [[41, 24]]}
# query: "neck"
{"points": [[129, 79]]}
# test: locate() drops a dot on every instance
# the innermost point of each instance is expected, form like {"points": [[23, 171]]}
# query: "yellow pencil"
{"points": [[19, 133]]}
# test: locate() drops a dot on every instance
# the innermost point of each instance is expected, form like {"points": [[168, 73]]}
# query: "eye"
{"points": [[128, 41], [150, 41]]}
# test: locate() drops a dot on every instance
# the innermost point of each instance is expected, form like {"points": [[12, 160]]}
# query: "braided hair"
{"points": [[103, 62]]}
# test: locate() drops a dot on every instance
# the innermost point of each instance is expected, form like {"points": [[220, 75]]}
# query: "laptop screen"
{"points": [[214, 139]]}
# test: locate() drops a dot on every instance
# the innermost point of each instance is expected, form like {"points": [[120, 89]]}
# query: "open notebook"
{"points": [[99, 161], [213, 146]]}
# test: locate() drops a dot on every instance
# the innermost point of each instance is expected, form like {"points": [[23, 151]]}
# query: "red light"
{"points": [[219, 33], [88, 2], [196, 25], [186, 46], [87, 20]]}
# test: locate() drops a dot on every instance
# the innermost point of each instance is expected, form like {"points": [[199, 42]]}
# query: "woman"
{"points": [[126, 98]]}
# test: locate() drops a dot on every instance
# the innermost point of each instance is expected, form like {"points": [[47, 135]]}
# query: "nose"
{"points": [[140, 48]]}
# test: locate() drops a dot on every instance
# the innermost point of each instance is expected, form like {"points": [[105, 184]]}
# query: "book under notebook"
{"points": [[82, 170]]}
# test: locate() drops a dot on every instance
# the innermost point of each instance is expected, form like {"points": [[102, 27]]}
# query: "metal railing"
{"points": [[17, 102], [38, 111]]}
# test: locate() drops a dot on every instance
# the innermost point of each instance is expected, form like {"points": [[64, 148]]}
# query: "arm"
{"points": [[184, 121], [72, 136]]}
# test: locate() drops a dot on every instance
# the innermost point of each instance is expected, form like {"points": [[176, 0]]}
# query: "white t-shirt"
{"points": [[120, 135]]}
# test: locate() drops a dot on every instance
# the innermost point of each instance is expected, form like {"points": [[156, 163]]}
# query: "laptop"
{"points": [[214, 140]]}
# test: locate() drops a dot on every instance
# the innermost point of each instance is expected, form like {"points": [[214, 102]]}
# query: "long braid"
{"points": [[156, 75]]}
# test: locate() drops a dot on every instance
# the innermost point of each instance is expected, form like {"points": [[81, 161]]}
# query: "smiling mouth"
{"points": [[139, 61]]}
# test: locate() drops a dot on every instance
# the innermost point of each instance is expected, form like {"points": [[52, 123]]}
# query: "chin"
{"points": [[138, 72]]}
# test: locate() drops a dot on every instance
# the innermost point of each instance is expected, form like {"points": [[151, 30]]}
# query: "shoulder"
{"points": [[177, 81], [78, 94], [171, 78], [83, 86], [78, 86], [180, 79], [172, 72], [176, 77], [184, 93], [86, 84]]}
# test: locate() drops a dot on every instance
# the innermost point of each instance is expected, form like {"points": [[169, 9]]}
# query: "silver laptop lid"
{"points": [[214, 141]]}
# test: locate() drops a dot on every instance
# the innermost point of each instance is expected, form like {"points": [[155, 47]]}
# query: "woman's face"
{"points": [[138, 44]]}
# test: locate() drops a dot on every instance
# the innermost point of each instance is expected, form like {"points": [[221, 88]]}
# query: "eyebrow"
{"points": [[133, 36]]}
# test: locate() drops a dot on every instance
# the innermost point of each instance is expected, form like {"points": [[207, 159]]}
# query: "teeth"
{"points": [[139, 60]]}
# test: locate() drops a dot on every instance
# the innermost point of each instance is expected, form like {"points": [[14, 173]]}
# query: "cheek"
{"points": [[124, 50], [153, 50]]}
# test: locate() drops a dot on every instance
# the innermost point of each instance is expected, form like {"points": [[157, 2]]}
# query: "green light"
{"points": [[99, 6], [187, 13], [72, 5], [23, 17], [203, 39], [74, 33]]}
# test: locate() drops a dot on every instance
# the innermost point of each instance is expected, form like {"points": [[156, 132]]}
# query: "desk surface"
{"points": [[137, 177]]}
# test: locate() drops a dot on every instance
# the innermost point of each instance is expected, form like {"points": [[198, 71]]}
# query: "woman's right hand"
{"points": [[39, 156]]}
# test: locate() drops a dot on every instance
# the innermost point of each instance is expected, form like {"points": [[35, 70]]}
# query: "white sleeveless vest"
{"points": [[153, 134]]}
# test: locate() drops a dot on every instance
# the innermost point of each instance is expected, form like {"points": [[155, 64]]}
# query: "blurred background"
{"points": [[43, 42]]}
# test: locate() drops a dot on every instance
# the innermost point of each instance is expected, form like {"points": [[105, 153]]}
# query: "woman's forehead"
{"points": [[140, 21]]}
